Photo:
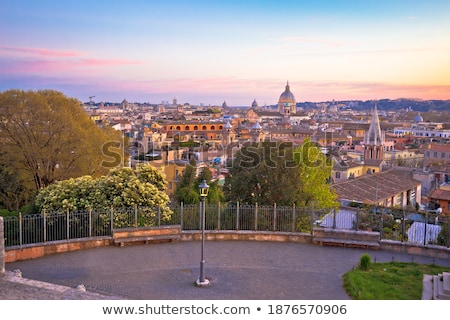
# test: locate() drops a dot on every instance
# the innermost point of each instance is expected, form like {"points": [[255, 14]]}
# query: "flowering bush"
{"points": [[121, 188]]}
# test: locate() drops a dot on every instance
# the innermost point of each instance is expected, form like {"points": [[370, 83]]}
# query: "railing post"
{"points": [[135, 216], [274, 217], [2, 248], [67, 225], [90, 222], [293, 218], [111, 218], [425, 230], [403, 226], [357, 219], [20, 229], [44, 236], [448, 232], [381, 226], [159, 216], [181, 215], [237, 216], [218, 216], [334, 218], [256, 216]]}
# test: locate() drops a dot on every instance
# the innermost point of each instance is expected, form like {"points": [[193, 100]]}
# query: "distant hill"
{"points": [[388, 104]]}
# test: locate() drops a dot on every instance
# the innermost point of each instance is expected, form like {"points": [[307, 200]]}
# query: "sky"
{"points": [[234, 51]]}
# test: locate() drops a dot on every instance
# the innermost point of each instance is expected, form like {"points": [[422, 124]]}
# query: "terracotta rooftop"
{"points": [[373, 188], [439, 147], [440, 194]]}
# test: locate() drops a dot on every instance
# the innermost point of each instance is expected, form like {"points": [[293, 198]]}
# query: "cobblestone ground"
{"points": [[236, 270], [13, 287]]}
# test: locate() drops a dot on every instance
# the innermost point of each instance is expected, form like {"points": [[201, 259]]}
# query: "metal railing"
{"points": [[393, 224]]}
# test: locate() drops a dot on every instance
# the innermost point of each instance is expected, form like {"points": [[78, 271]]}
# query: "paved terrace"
{"points": [[237, 270]]}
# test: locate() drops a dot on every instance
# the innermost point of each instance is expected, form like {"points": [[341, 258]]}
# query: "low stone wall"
{"points": [[39, 250], [416, 249], [247, 236]]}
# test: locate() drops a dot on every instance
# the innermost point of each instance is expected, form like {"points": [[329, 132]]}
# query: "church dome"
{"points": [[254, 104], [418, 118], [257, 126], [287, 95]]}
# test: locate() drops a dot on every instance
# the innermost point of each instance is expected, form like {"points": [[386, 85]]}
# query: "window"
{"points": [[338, 175]]}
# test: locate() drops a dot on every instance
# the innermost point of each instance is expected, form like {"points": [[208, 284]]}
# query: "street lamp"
{"points": [[203, 194]]}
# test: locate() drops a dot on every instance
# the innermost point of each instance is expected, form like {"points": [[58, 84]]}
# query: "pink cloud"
{"points": [[29, 66], [39, 52], [24, 60], [107, 62]]}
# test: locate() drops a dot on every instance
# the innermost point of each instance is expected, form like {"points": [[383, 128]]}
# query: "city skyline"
{"points": [[211, 52]]}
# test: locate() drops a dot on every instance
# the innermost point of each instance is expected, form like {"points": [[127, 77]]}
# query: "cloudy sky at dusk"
{"points": [[214, 51]]}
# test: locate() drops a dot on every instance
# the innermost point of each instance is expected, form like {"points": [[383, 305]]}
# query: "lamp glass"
{"points": [[203, 189]]}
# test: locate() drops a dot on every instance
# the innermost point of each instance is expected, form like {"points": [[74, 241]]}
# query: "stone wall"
{"points": [[43, 249], [2, 248]]}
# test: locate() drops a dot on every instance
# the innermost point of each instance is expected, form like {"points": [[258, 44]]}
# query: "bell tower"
{"points": [[374, 139]]}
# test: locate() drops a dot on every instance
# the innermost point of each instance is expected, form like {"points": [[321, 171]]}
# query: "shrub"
{"points": [[364, 262]]}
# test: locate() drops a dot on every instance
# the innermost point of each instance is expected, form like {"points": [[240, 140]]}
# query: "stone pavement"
{"points": [[237, 270], [14, 287]]}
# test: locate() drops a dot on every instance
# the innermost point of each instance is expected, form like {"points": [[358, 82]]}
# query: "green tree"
{"points": [[186, 191], [315, 170], [10, 189], [269, 172], [215, 193], [263, 173], [48, 137]]}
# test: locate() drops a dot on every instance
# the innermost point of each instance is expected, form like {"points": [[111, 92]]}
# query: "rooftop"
{"points": [[373, 188]]}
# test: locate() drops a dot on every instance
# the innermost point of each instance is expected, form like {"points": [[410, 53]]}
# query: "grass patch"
{"points": [[389, 281]]}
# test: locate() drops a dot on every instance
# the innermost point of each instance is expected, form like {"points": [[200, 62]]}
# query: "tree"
{"points": [[186, 191], [215, 193], [315, 170], [270, 172], [262, 173], [47, 137], [10, 189]]}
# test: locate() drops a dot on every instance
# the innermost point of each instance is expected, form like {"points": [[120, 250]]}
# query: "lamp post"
{"points": [[203, 194]]}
